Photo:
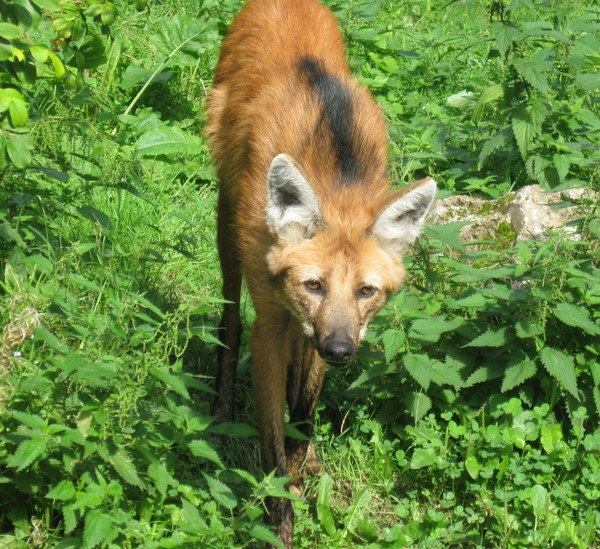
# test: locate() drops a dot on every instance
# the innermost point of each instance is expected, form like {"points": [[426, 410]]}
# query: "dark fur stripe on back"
{"points": [[337, 111]]}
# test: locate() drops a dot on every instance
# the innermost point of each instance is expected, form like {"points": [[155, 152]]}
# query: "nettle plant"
{"points": [[541, 107], [522, 323]]}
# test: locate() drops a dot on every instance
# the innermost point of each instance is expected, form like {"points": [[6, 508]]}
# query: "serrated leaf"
{"points": [[429, 330], [483, 374], [221, 493], [575, 316], [161, 477], [98, 529], [262, 533], [491, 338], [201, 448], [41, 334], [562, 163], [63, 491], [527, 123], [419, 367], [504, 34], [517, 372], [392, 343], [174, 383], [499, 140], [324, 504], [123, 465], [33, 421], [167, 141], [194, 523], [561, 367], [27, 452], [529, 70], [445, 373]]}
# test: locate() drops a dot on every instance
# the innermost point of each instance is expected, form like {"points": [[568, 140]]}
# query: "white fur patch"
{"points": [[293, 209], [400, 223]]}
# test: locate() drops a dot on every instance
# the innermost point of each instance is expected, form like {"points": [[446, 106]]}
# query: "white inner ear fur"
{"points": [[293, 210], [401, 222]]}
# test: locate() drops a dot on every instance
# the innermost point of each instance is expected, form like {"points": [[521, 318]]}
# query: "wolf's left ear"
{"points": [[293, 211], [400, 222]]}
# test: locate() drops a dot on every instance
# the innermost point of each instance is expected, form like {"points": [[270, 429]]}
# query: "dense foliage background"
{"points": [[470, 417]]}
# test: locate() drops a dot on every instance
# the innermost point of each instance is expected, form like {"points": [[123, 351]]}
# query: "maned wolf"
{"points": [[305, 214]]}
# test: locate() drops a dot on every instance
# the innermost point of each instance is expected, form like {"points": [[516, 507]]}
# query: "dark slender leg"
{"points": [[231, 326]]}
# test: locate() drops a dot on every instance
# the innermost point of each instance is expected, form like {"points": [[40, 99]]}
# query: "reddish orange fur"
{"points": [[260, 107]]}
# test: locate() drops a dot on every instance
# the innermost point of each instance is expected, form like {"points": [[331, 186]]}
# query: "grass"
{"points": [[471, 415]]}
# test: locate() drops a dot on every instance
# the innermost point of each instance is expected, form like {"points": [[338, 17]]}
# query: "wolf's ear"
{"points": [[399, 224], [293, 210]]}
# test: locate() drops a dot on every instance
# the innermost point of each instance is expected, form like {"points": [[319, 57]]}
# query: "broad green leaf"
{"points": [[59, 68], [589, 81], [48, 5], [473, 467], [63, 491], [561, 367], [419, 367], [445, 373], [461, 99], [525, 328], [489, 94], [166, 141], [324, 514], [423, 457], [540, 501], [18, 113], [429, 330], [174, 383], [201, 448], [551, 436], [234, 430], [123, 465], [27, 452], [19, 149], [99, 528], [10, 32], [221, 493], [492, 338], [575, 316], [418, 404], [39, 53], [517, 372], [448, 233]]}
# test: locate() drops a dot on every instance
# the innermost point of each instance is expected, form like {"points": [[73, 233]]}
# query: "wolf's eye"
{"points": [[313, 286], [367, 291]]}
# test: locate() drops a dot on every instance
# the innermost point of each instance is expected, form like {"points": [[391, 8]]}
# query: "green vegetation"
{"points": [[471, 416]]}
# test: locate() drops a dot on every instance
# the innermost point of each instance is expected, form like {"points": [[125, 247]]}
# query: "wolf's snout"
{"points": [[339, 350]]}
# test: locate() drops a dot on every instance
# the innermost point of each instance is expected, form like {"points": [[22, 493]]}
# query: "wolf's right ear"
{"points": [[293, 211]]}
